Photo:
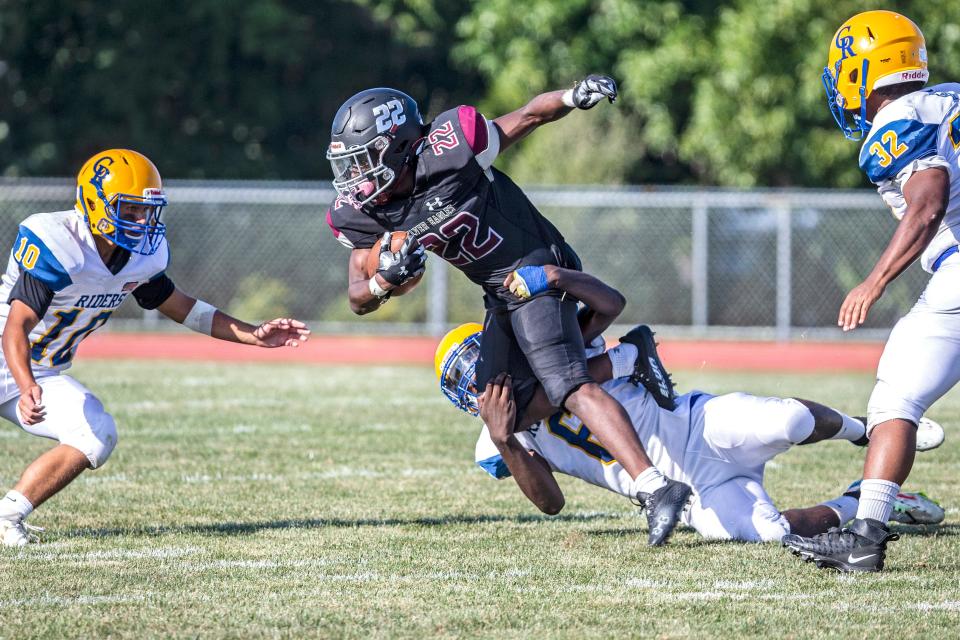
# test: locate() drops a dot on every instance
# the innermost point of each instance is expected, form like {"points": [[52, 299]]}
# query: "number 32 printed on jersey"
{"points": [[888, 148]]}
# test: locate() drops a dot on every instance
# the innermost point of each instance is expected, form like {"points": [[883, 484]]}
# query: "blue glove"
{"points": [[528, 282]]}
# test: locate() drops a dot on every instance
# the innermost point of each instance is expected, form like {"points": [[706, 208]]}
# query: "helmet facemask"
{"points": [[458, 379], [836, 102], [359, 172], [138, 237]]}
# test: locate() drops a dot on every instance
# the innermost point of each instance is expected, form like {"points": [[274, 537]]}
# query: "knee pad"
{"points": [[96, 440], [787, 421], [889, 403], [799, 422], [103, 441]]}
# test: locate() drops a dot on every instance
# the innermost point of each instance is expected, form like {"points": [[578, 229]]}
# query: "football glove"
{"points": [[404, 265], [528, 282], [591, 90]]}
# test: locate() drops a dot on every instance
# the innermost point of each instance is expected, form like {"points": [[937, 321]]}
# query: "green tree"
{"points": [[206, 88]]}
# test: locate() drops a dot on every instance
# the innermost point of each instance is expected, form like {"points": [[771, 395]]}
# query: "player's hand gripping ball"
{"points": [[399, 259]]}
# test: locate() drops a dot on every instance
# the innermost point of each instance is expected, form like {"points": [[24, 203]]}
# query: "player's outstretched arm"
{"points": [[207, 319], [551, 106], [926, 194], [21, 320], [533, 476], [605, 302]]}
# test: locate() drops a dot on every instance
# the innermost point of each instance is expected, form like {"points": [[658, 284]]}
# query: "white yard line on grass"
{"points": [[161, 553], [67, 601]]}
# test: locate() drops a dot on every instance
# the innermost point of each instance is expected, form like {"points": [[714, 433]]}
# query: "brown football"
{"points": [[373, 261]]}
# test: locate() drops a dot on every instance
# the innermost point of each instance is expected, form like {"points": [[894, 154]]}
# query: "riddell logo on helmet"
{"points": [[906, 76]]}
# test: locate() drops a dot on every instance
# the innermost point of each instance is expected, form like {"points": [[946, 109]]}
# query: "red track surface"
{"points": [[708, 355]]}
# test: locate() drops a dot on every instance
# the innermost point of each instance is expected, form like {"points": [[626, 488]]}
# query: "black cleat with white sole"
{"points": [[663, 508], [860, 547], [648, 369]]}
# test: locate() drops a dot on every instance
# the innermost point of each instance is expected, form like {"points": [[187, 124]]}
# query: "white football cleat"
{"points": [[916, 508], [929, 434], [18, 534]]}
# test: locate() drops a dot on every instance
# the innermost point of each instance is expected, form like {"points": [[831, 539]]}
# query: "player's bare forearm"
{"points": [[275, 333], [927, 194], [362, 300], [544, 108], [16, 343], [604, 301], [498, 411], [533, 476]]}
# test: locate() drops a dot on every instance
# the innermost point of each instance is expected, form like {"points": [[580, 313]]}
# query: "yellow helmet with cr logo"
{"points": [[455, 363], [871, 50], [112, 179]]}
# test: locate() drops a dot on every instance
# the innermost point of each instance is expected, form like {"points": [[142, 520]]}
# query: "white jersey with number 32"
{"points": [[918, 131]]}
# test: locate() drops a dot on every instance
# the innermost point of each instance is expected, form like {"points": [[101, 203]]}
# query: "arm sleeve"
{"points": [[482, 136], [154, 293], [32, 292]]}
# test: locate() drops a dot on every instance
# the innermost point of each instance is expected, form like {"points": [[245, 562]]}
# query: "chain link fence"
{"points": [[700, 262]]}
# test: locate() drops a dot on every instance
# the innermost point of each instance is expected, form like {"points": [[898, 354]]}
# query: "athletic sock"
{"points": [[876, 499], [623, 357], [15, 506], [851, 429], [649, 481], [844, 506]]}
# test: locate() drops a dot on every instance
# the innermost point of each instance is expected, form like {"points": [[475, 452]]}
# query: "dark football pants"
{"points": [[539, 340]]}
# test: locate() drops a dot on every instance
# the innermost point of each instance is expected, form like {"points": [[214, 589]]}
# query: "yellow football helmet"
{"points": [[114, 178], [871, 50], [456, 362]]}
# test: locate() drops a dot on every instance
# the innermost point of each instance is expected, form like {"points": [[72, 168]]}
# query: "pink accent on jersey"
{"points": [[336, 232], [474, 127]]}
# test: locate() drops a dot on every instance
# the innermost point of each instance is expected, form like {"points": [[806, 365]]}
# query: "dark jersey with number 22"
{"points": [[462, 209]]}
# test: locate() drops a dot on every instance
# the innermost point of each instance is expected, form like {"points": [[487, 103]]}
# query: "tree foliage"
{"points": [[721, 93], [206, 88], [727, 95]]}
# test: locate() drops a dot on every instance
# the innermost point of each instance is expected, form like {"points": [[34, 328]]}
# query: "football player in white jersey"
{"points": [[68, 272], [877, 68], [718, 445]]}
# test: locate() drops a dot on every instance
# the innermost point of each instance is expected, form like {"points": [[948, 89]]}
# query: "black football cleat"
{"points": [[663, 508], [648, 369], [860, 547]]}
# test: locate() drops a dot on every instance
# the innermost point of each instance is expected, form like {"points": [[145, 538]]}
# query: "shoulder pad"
{"points": [[47, 250], [446, 139], [159, 262], [894, 145], [351, 227]]}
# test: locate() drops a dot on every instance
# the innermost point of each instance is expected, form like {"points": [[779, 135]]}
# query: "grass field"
{"points": [[295, 501]]}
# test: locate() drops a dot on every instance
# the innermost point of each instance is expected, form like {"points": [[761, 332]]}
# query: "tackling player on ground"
{"points": [[717, 444], [68, 272], [876, 71], [437, 183]]}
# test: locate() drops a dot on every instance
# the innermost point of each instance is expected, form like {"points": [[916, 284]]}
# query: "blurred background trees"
{"points": [[717, 93]]}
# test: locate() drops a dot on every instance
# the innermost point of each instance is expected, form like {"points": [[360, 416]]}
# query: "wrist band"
{"points": [[567, 98], [376, 289], [200, 318]]}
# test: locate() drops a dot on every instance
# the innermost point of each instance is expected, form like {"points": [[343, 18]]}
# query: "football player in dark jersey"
{"points": [[437, 183]]}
